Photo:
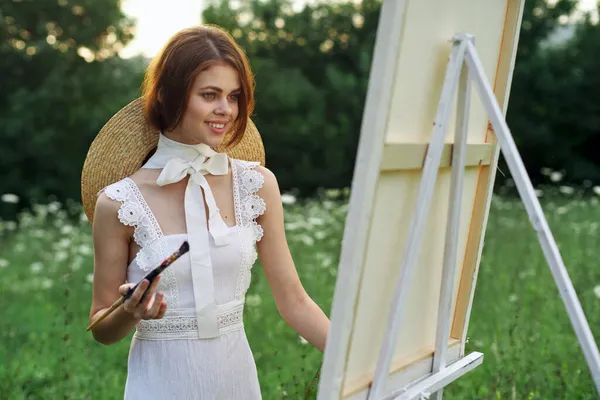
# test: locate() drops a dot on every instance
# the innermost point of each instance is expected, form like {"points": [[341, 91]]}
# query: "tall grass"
{"points": [[518, 320]]}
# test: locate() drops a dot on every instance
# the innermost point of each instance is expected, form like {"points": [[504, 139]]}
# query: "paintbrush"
{"points": [[185, 247]]}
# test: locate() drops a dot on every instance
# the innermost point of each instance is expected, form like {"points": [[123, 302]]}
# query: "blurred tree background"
{"points": [[61, 79]]}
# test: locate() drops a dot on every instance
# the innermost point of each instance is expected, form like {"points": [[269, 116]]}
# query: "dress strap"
{"points": [[248, 206], [135, 212]]}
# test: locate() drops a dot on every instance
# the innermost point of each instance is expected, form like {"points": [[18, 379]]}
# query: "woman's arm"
{"points": [[294, 304], [111, 253]]}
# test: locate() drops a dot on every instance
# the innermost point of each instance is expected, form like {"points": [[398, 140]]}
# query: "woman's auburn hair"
{"points": [[168, 81]]}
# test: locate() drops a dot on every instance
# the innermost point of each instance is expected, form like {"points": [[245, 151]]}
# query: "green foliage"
{"points": [[312, 69], [312, 72], [553, 112], [518, 320], [53, 102]]}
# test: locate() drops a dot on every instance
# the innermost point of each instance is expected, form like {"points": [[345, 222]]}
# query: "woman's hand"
{"points": [[143, 303]]}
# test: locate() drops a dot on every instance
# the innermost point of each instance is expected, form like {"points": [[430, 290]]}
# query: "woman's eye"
{"points": [[208, 96], [234, 97]]}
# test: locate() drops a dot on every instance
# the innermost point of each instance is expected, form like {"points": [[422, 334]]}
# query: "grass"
{"points": [[518, 319]]}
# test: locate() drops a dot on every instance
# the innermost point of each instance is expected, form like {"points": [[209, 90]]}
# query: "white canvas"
{"points": [[411, 55]]}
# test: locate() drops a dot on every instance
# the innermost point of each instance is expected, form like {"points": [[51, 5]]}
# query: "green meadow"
{"points": [[518, 319]]}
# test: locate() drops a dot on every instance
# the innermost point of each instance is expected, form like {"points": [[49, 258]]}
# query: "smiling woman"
{"points": [[217, 88], [189, 339]]}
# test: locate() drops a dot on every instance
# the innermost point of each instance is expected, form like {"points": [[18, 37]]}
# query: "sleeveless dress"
{"points": [[167, 359]]}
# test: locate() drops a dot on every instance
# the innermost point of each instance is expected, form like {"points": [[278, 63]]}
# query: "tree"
{"points": [[312, 70], [545, 110], [61, 80]]}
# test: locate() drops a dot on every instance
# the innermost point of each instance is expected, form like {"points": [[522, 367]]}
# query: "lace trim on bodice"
{"points": [[135, 212], [248, 207], [182, 323]]}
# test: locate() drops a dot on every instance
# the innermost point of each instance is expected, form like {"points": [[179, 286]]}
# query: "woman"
{"points": [[189, 341]]}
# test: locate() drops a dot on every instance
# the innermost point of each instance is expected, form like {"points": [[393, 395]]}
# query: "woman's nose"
{"points": [[223, 108]]}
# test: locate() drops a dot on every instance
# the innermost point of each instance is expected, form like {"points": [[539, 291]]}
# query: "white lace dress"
{"points": [[167, 360]]}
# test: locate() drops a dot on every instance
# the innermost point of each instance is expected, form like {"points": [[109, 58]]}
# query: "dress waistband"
{"points": [[182, 323]]}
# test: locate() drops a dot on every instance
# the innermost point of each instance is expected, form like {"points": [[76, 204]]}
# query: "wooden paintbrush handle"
{"points": [[112, 308]]}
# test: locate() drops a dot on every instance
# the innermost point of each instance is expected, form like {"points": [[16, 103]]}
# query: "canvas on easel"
{"points": [[407, 75], [419, 205]]}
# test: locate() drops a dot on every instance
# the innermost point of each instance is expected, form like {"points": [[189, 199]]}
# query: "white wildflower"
{"points": [[36, 267], [10, 198], [19, 247], [556, 176], [566, 190], [47, 283], [3, 263], [326, 260], [38, 233], [316, 221], [66, 229], [85, 250], [76, 264], [307, 240], [40, 210], [64, 243], [546, 171], [512, 298], [333, 193], [561, 210], [288, 199], [302, 340], [596, 190], [292, 226], [320, 235], [61, 256], [597, 291], [328, 205], [90, 278], [253, 300], [53, 207], [10, 225], [539, 192]]}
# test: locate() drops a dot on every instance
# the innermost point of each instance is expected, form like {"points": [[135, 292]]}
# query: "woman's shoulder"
{"points": [[259, 180], [113, 198], [261, 176]]}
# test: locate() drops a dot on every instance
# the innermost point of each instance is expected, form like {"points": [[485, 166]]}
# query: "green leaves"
{"points": [[53, 101], [311, 70]]}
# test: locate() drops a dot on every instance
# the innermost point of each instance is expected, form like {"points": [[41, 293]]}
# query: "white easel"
{"points": [[463, 66]]}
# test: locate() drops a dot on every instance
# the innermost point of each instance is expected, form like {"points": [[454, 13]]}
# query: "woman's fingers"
{"points": [[147, 295], [162, 310], [155, 307], [123, 289], [131, 304], [143, 303]]}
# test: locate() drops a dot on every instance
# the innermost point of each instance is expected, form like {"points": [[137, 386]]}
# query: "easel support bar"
{"points": [[453, 224], [536, 216], [438, 381], [424, 197]]}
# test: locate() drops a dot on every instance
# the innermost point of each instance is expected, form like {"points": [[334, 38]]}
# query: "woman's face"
{"points": [[212, 107]]}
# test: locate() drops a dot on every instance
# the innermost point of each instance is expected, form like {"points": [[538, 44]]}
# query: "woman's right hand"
{"points": [[144, 304]]}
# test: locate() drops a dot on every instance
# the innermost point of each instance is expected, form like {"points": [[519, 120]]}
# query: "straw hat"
{"points": [[125, 141]]}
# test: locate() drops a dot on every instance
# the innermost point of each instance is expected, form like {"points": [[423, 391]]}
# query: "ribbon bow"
{"points": [[207, 162]]}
